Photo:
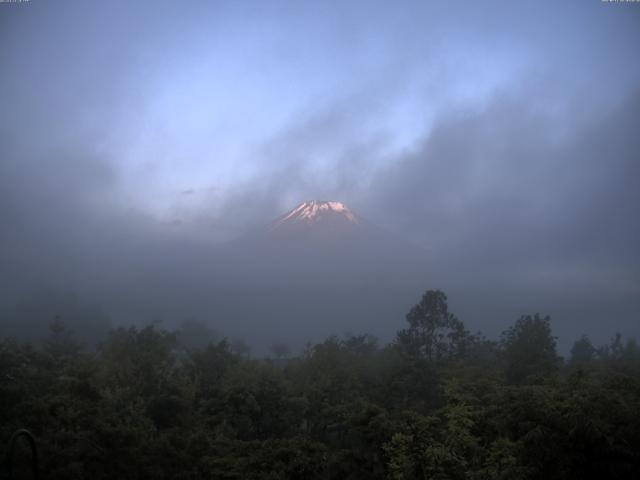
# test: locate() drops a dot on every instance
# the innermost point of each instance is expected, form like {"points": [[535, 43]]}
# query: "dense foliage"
{"points": [[436, 403]]}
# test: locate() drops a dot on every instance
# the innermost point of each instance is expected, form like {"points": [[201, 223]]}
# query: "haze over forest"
{"points": [[492, 145], [319, 240]]}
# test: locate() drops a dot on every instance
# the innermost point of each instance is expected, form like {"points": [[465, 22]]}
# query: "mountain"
{"points": [[318, 269], [318, 216], [325, 226], [321, 225], [321, 268]]}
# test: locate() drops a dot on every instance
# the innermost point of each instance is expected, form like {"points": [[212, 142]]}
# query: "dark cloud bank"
{"points": [[525, 203], [513, 216]]}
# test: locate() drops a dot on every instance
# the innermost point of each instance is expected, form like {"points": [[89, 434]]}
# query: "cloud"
{"points": [[516, 201], [503, 141]]}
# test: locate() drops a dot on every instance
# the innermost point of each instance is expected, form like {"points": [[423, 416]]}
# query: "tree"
{"points": [[582, 352], [434, 334], [61, 345], [620, 354], [194, 334], [241, 347], [529, 349], [280, 350], [361, 345], [141, 359]]}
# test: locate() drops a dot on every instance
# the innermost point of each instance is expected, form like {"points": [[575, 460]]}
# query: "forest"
{"points": [[438, 402]]}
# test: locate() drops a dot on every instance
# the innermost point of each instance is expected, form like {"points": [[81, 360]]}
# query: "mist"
{"points": [[496, 143], [319, 240]]}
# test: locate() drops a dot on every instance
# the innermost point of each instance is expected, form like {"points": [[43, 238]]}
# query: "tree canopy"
{"points": [[435, 403]]}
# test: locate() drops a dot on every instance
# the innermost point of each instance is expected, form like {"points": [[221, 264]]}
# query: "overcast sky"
{"points": [[503, 137]]}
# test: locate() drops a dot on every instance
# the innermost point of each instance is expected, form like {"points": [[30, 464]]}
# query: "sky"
{"points": [[500, 136]]}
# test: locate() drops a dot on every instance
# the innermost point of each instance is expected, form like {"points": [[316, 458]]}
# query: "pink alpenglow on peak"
{"points": [[315, 211]]}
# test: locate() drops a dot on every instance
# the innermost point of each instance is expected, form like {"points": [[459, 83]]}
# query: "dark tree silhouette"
{"points": [[582, 352], [434, 334], [280, 350], [530, 349]]}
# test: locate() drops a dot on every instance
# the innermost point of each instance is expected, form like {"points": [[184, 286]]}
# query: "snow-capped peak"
{"points": [[314, 210]]}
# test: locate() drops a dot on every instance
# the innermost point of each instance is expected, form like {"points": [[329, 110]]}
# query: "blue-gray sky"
{"points": [[501, 136]]}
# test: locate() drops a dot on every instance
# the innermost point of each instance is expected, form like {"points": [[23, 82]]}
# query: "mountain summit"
{"points": [[317, 215], [317, 269]]}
